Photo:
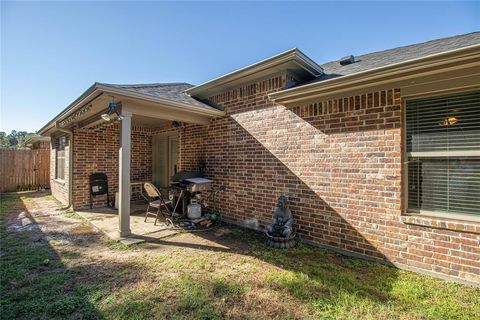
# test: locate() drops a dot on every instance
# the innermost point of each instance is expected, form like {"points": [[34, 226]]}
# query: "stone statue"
{"points": [[282, 225]]}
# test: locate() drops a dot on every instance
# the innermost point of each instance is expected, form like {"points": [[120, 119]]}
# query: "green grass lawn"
{"points": [[44, 276]]}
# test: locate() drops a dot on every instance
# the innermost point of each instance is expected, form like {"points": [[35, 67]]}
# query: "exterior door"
{"points": [[173, 155], [164, 158]]}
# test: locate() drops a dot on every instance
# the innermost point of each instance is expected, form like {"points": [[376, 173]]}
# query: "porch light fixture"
{"points": [[112, 109]]}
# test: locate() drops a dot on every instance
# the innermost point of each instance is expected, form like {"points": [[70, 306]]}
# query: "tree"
{"points": [[14, 140], [4, 143]]}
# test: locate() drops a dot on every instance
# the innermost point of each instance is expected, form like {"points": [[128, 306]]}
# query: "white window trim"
{"points": [[443, 215], [444, 154]]}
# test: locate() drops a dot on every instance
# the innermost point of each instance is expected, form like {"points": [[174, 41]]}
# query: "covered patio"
{"points": [[133, 134]]}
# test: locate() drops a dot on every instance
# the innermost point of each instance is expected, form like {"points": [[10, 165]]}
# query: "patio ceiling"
{"points": [[148, 122]]}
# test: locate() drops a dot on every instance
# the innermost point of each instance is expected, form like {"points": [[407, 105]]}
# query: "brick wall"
{"points": [[339, 162], [96, 150], [192, 153], [59, 188]]}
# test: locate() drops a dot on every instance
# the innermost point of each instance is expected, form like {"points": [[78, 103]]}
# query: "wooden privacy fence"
{"points": [[24, 169]]}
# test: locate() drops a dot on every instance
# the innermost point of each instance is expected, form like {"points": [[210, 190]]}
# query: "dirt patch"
{"points": [[82, 229]]}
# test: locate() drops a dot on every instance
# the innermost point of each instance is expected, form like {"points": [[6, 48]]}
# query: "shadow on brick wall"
{"points": [[261, 157]]}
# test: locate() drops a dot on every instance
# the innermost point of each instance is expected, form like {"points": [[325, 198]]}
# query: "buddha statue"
{"points": [[282, 225]]}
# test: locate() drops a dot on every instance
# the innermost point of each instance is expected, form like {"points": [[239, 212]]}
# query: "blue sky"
{"points": [[53, 51]]}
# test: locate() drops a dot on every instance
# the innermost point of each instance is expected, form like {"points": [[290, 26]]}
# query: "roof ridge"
{"points": [[156, 84]]}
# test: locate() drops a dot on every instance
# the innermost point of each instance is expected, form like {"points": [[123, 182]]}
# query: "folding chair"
{"points": [[156, 201]]}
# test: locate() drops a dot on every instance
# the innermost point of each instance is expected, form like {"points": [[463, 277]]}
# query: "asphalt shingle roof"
{"points": [[374, 60], [171, 91]]}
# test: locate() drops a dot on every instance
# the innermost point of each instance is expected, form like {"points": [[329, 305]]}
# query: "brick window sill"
{"points": [[442, 223]]}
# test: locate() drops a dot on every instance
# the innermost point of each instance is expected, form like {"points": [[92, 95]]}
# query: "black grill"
{"points": [[184, 186], [98, 186], [180, 177]]}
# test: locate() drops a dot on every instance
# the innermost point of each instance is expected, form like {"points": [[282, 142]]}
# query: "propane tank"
{"points": [[194, 210]]}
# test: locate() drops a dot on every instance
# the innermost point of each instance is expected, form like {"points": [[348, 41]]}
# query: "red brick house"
{"points": [[379, 155]]}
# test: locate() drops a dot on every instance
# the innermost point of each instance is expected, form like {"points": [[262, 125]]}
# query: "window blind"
{"points": [[444, 124], [443, 153]]}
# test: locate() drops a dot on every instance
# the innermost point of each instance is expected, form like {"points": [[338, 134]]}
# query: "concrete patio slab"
{"points": [[106, 220]]}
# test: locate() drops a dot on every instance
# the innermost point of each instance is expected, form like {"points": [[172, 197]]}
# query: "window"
{"points": [[443, 154], [60, 158]]}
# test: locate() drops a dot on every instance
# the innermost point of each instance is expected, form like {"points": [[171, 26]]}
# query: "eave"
{"points": [[36, 138], [99, 89], [293, 60]]}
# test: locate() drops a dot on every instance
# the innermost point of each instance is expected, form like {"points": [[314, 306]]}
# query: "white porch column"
{"points": [[124, 175]]}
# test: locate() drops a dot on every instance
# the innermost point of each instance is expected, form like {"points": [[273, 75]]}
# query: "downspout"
{"points": [[70, 161]]}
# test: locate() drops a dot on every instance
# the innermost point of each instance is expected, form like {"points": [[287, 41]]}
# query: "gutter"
{"points": [[70, 162], [389, 73]]}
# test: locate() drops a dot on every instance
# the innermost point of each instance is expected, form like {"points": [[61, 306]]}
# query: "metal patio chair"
{"points": [[156, 201]]}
